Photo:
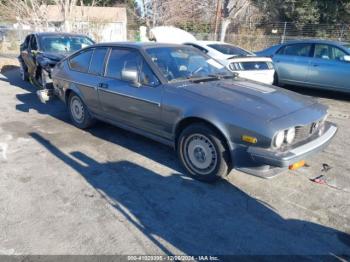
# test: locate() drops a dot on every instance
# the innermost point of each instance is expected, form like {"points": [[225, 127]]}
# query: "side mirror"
{"points": [[130, 75], [347, 58]]}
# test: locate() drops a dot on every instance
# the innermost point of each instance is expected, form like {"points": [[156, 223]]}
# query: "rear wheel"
{"points": [[79, 113], [276, 81], [203, 153]]}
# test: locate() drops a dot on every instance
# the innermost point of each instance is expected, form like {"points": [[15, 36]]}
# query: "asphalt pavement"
{"points": [[108, 191]]}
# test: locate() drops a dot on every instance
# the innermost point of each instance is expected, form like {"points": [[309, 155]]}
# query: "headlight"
{"points": [[279, 138], [290, 135]]}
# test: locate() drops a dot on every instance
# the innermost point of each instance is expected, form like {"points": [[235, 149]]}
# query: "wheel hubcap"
{"points": [[200, 154], [77, 110]]}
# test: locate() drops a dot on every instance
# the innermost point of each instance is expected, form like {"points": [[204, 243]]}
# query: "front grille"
{"points": [[304, 132]]}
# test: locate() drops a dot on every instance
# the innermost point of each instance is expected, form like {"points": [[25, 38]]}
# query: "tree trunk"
{"points": [[224, 25]]}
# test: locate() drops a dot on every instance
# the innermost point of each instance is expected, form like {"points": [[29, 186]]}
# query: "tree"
{"points": [[232, 9], [334, 12], [35, 12], [32, 12], [295, 11]]}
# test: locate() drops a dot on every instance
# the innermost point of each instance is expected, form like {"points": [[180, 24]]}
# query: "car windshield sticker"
{"points": [[257, 87], [214, 63]]}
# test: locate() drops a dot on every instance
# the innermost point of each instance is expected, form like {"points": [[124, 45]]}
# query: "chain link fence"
{"points": [[255, 37]]}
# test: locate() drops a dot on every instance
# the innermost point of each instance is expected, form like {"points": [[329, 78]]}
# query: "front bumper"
{"points": [[287, 158]]}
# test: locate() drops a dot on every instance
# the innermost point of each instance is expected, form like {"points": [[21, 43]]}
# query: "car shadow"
{"points": [[196, 218], [175, 212], [55, 108]]}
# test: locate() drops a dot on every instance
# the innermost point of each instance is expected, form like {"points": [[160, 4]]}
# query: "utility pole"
{"points": [[217, 18], [284, 32]]}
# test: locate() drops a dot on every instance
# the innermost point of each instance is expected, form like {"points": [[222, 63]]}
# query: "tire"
{"points": [[79, 113], [24, 73], [203, 153], [276, 81]]}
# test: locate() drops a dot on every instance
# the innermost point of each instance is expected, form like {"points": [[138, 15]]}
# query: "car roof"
{"points": [[206, 42], [316, 41], [39, 34], [137, 45]]}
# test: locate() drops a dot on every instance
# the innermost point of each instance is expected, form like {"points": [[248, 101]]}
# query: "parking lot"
{"points": [[108, 191]]}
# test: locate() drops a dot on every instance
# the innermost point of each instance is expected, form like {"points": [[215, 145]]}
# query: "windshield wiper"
{"points": [[211, 77], [203, 78]]}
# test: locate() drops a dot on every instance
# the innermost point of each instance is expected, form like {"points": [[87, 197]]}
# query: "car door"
{"points": [[86, 70], [134, 104], [25, 50], [31, 55], [292, 62], [328, 68]]}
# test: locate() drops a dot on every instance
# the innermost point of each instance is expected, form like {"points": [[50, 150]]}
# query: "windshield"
{"points": [[347, 46], [61, 44], [230, 50], [184, 62]]}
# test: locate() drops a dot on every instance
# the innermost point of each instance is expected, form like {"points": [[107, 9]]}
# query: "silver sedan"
{"points": [[181, 97], [312, 63]]}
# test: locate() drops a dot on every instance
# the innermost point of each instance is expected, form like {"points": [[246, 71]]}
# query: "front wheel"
{"points": [[203, 153], [79, 113]]}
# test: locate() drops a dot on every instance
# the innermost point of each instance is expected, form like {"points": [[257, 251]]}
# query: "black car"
{"points": [[40, 52]]}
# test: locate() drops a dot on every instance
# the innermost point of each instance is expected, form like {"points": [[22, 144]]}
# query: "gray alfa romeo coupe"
{"points": [[181, 97]]}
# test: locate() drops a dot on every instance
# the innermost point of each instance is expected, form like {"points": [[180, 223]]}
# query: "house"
{"points": [[103, 24]]}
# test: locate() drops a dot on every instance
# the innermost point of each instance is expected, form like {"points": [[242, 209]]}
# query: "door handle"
{"points": [[103, 85], [315, 65]]}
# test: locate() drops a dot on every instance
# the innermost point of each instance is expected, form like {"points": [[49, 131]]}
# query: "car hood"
{"points": [[264, 101], [54, 56], [170, 34]]}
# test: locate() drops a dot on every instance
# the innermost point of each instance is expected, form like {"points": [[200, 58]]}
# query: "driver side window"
{"points": [[147, 77], [125, 59], [328, 52]]}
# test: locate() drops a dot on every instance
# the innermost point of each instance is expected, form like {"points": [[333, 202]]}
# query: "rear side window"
{"points": [[296, 50], [81, 61], [198, 47], [120, 59], [97, 61], [229, 50]]}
